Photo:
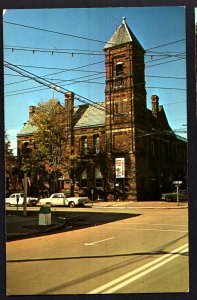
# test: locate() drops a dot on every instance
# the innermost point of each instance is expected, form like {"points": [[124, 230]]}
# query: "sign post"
{"points": [[177, 184]]}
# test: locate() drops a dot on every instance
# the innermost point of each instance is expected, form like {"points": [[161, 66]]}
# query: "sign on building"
{"points": [[120, 167]]}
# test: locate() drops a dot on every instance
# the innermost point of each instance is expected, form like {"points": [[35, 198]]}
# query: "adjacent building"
{"points": [[125, 150]]}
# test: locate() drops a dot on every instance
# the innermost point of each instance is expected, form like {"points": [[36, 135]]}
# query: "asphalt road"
{"points": [[144, 252]]}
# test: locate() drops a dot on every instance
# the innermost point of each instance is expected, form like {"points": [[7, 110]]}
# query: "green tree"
{"points": [[50, 138], [11, 166]]}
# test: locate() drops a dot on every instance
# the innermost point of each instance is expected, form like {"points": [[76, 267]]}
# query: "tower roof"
{"points": [[122, 35]]}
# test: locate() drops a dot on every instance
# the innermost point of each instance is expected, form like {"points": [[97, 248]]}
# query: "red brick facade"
{"points": [[154, 156]]}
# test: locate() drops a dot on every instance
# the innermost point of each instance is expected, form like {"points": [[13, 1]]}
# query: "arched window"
{"points": [[98, 178], [119, 69], [25, 149]]}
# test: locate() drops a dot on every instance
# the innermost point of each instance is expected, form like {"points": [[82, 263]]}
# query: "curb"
{"points": [[10, 236], [140, 207]]}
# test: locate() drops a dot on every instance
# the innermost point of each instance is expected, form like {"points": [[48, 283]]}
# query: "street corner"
{"points": [[27, 226]]}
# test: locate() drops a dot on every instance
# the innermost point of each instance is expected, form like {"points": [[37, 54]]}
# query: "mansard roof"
{"points": [[122, 35]]}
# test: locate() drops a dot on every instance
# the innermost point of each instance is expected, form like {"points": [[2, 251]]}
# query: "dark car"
{"points": [[183, 196]]}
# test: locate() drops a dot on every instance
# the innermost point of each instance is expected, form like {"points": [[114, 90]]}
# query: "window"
{"points": [[26, 149], [119, 69], [96, 144], [116, 108], [121, 107], [84, 145], [83, 179], [98, 178]]}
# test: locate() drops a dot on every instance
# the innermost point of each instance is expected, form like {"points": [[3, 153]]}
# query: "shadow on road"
{"points": [[69, 220]]}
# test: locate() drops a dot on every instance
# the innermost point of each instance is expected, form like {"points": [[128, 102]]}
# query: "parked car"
{"points": [[12, 200], [60, 199], [183, 196]]}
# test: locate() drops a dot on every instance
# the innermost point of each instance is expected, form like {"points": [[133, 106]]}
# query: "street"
{"points": [[145, 252]]}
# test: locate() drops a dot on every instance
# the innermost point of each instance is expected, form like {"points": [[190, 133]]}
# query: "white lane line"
{"points": [[146, 229], [154, 224], [127, 278], [93, 243]]}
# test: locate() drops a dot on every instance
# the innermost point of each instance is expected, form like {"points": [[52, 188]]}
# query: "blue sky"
{"points": [[92, 28]]}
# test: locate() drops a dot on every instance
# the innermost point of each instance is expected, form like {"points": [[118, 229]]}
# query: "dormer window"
{"points": [[119, 69]]}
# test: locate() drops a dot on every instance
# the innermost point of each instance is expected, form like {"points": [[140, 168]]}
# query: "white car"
{"points": [[18, 199], [59, 199]]}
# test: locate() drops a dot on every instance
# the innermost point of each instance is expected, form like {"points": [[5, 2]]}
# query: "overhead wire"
{"points": [[84, 38], [45, 82], [97, 41]]}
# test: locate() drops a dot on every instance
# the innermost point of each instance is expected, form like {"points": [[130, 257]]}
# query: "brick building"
{"points": [[125, 149]]}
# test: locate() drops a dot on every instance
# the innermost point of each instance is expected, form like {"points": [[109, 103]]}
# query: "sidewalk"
{"points": [[19, 226], [140, 204]]}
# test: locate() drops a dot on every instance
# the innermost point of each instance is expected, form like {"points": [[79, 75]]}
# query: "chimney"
{"points": [[31, 110], [155, 105], [69, 105]]}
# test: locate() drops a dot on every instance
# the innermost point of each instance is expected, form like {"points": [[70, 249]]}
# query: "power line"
{"points": [[85, 38], [70, 82], [40, 80], [67, 70], [47, 83], [166, 62], [73, 52], [76, 81], [52, 49], [60, 80], [166, 44], [161, 58], [34, 50], [166, 77], [55, 32], [165, 88]]}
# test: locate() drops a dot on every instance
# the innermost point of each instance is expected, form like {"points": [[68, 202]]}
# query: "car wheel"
{"points": [[72, 204], [8, 204]]}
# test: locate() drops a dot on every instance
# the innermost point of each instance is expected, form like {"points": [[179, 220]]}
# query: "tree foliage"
{"points": [[51, 135], [10, 160]]}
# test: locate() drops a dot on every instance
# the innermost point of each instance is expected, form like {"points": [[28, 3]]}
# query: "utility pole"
{"points": [[25, 195]]}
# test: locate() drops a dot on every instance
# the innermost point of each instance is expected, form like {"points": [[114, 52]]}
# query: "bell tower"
{"points": [[125, 96], [125, 93]]}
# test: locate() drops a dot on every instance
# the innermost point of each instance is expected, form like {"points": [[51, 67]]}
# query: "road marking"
{"points": [[93, 243], [156, 224], [146, 229], [128, 278]]}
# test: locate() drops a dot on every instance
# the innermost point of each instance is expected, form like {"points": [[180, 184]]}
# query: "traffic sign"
{"points": [[177, 182]]}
